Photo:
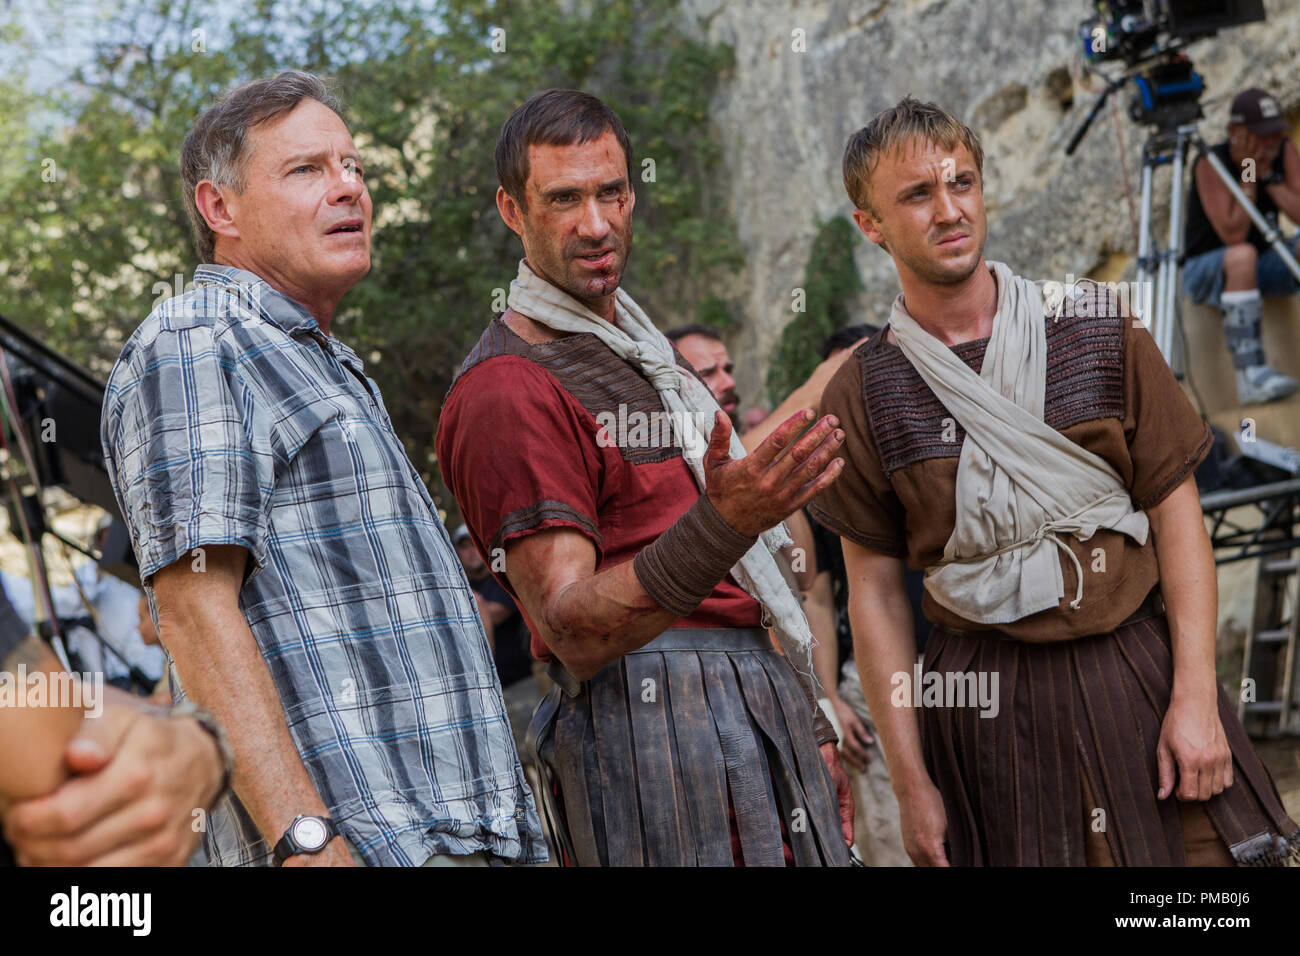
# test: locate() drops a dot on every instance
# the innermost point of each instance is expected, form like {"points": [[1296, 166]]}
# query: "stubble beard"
{"points": [[941, 274], [592, 289]]}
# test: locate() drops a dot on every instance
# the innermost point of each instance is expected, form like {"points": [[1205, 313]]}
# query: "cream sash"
{"points": [[1020, 482]]}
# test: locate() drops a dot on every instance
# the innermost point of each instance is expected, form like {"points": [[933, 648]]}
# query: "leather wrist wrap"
{"points": [[681, 567]]}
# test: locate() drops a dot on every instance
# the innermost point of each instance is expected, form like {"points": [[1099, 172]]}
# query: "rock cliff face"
{"points": [[808, 74]]}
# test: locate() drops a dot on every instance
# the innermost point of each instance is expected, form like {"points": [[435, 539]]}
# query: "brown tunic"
{"points": [[1065, 772], [1108, 389]]}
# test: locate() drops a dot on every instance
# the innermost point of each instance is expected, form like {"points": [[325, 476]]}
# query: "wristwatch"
{"points": [[305, 835]]}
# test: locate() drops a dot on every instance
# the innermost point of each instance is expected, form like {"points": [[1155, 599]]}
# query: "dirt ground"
{"points": [[1282, 757]]}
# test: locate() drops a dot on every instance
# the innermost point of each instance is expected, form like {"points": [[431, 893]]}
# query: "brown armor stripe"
{"points": [[586, 368], [1085, 381]]}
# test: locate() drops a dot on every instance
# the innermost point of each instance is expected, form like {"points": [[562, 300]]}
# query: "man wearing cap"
{"points": [[1229, 263]]}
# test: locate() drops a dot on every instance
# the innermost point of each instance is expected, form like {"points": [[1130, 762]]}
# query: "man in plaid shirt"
{"points": [[306, 592]]}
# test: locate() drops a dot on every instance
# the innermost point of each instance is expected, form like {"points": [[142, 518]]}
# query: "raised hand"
{"points": [[781, 475]]}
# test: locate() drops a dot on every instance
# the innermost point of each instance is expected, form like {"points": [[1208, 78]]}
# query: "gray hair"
{"points": [[216, 147]]}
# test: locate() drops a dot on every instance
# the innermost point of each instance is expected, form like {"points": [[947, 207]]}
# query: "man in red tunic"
{"points": [[593, 465]]}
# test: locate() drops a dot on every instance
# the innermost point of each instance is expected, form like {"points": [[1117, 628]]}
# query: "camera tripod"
{"points": [[1174, 131], [1157, 268]]}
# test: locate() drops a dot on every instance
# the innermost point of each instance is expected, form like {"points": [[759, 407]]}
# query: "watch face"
{"points": [[309, 833]]}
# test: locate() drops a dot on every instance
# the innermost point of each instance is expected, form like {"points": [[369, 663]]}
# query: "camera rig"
{"points": [[49, 437], [1149, 37]]}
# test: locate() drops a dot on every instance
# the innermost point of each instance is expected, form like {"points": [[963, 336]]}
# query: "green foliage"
{"points": [[830, 281], [714, 310], [84, 258]]}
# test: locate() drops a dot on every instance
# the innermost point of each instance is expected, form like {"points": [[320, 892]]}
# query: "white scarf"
{"points": [[691, 407], [1019, 481]]}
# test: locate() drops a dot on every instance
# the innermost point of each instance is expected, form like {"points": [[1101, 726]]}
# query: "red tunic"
{"points": [[521, 450]]}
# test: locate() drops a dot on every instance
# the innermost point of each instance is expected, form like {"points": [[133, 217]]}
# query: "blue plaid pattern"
{"points": [[230, 418]]}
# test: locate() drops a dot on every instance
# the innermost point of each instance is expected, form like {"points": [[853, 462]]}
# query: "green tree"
{"points": [[426, 88], [830, 281]]}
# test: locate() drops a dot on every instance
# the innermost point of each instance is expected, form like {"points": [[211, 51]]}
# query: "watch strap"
{"points": [[288, 846]]}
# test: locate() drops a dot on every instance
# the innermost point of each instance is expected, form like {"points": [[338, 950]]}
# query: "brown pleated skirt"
{"points": [[657, 759], [1070, 757]]}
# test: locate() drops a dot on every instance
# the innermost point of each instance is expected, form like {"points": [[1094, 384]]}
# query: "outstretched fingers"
{"points": [[824, 479], [810, 453], [780, 439]]}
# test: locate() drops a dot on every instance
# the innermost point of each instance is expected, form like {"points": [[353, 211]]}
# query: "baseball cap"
{"points": [[1259, 111], [459, 535]]}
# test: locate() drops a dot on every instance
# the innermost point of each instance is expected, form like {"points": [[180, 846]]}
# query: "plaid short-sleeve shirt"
{"points": [[230, 418]]}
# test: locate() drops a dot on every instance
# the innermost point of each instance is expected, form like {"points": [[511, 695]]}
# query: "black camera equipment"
{"points": [[1129, 29], [49, 437], [1149, 37]]}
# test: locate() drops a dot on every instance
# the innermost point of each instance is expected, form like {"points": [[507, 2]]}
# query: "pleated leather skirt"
{"points": [[1071, 755], [662, 755]]}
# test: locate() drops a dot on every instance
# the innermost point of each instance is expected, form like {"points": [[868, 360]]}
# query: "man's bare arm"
{"points": [[1226, 215], [32, 738], [495, 613], [806, 396], [1192, 738], [117, 786], [883, 645], [222, 670], [803, 554], [493, 616], [818, 604], [819, 608], [586, 619], [589, 620]]}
